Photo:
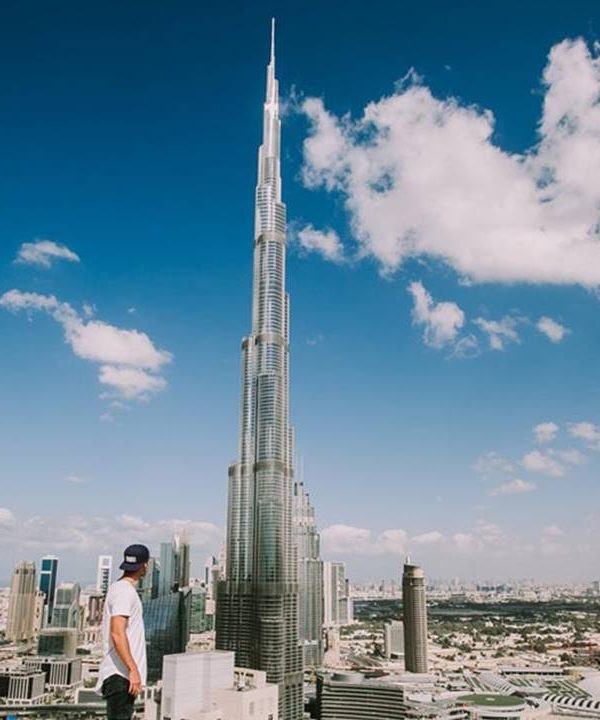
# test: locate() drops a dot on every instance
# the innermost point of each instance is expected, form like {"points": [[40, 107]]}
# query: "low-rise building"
{"points": [[57, 641], [22, 686], [59, 672]]}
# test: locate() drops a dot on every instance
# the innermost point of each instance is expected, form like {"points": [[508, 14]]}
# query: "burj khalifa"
{"points": [[257, 604]]}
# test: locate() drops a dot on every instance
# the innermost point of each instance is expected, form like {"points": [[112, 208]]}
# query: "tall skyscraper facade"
{"points": [[20, 625], [167, 623], [414, 608], [174, 565], [337, 603], [104, 574], [148, 587], [257, 608], [310, 578], [184, 560], [48, 573]]}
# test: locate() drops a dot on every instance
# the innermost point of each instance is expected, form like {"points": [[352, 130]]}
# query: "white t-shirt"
{"points": [[122, 599]]}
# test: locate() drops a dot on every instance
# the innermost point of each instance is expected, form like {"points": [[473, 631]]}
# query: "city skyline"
{"points": [[461, 391]]}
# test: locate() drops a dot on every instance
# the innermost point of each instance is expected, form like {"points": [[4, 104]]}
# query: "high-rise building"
{"points": [[104, 575], [337, 603], [20, 626], [167, 623], [393, 638], [211, 562], [67, 611], [95, 608], [257, 607], [184, 560], [310, 578], [39, 612], [149, 584], [414, 608], [48, 573], [198, 618], [174, 565]]}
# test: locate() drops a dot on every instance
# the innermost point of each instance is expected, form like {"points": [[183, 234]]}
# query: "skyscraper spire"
{"points": [[257, 607], [272, 61]]}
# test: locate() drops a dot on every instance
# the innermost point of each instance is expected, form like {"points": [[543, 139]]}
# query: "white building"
{"points": [[250, 698], [104, 575], [59, 672], [393, 638], [207, 686], [337, 603]]}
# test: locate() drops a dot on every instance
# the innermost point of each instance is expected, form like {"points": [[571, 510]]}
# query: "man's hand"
{"points": [[135, 682]]}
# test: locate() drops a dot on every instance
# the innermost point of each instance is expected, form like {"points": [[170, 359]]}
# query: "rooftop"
{"points": [[491, 700]]}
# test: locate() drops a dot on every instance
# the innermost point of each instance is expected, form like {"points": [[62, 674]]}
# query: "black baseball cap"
{"points": [[134, 557]]}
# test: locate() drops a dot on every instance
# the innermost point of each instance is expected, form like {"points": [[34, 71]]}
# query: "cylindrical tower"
{"points": [[414, 607]]}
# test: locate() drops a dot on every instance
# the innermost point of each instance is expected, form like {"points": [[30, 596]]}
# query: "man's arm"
{"points": [[118, 628]]}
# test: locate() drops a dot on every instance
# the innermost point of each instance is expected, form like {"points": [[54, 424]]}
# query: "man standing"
{"points": [[123, 668]]}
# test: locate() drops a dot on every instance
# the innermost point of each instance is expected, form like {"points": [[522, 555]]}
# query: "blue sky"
{"points": [[128, 134]]}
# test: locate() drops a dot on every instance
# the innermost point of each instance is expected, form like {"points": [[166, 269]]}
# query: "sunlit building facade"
{"points": [[21, 619], [414, 608], [310, 578], [257, 610], [104, 574]]}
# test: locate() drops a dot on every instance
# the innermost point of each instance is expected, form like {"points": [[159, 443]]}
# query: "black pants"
{"points": [[119, 703]]}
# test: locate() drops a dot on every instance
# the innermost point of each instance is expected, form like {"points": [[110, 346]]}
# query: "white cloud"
{"points": [[428, 538], [500, 332], [542, 462], [129, 359], [586, 431], [76, 479], [545, 432], [315, 340], [491, 464], [43, 253], [90, 535], [514, 487], [349, 540], [6, 518], [550, 541], [442, 321], [553, 330], [552, 461], [324, 242], [485, 537], [130, 382], [423, 177], [571, 457], [466, 347], [553, 531]]}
